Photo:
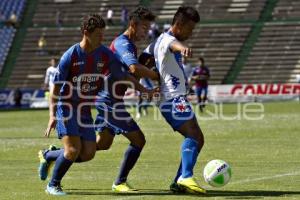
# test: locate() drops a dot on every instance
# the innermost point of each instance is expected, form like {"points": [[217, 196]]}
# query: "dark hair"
{"points": [[202, 60], [91, 22], [141, 13], [185, 13]]}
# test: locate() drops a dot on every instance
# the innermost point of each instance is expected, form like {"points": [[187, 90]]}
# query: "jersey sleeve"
{"points": [[47, 77], [116, 68], [126, 51], [150, 49], [166, 44], [63, 68]]}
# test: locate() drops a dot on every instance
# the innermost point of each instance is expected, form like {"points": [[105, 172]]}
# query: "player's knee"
{"points": [[88, 156], [140, 143], [103, 146], [71, 153]]}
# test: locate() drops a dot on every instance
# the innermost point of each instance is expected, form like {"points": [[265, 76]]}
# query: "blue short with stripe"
{"points": [[114, 117], [70, 123], [177, 111]]}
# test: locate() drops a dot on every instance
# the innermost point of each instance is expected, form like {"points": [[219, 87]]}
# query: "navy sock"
{"points": [[61, 167], [179, 171], [130, 157], [52, 155], [189, 154]]}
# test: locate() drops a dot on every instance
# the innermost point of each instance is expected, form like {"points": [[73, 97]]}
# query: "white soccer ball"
{"points": [[217, 173]]}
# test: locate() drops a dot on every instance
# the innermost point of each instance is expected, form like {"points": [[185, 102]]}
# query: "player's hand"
{"points": [[187, 52], [51, 125], [153, 93]]}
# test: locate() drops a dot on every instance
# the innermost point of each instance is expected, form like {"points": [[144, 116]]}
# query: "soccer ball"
{"points": [[217, 173]]}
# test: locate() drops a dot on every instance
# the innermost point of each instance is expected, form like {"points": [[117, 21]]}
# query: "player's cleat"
{"points": [[123, 188], [190, 185], [174, 187], [55, 190], [45, 166]]}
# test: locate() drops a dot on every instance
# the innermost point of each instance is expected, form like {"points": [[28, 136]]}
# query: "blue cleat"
{"points": [[55, 190], [45, 166]]}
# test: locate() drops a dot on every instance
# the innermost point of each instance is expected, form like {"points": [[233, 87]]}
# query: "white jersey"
{"points": [[169, 64], [49, 78]]}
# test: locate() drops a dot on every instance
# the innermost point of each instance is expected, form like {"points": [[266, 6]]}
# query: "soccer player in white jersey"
{"points": [[168, 51], [50, 73]]}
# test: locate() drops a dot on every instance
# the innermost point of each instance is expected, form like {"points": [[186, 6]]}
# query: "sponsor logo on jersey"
{"points": [[100, 66], [78, 63]]}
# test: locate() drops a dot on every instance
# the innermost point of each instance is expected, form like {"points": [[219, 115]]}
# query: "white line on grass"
{"points": [[266, 178]]}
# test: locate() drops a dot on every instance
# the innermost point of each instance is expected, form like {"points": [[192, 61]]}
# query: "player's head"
{"points": [[201, 61], [92, 28], [184, 22], [140, 21], [53, 62]]}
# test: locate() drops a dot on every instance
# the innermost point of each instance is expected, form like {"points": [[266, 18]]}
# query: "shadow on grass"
{"points": [[251, 194]]}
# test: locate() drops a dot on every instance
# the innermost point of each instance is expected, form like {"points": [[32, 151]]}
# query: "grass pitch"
{"points": [[264, 156]]}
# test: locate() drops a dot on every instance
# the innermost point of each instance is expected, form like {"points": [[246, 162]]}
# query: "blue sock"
{"points": [[52, 155], [189, 154], [178, 172], [61, 167], [131, 156]]}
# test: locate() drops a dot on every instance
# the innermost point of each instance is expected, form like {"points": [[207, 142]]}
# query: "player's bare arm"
{"points": [[139, 87], [177, 46], [54, 93], [141, 71]]}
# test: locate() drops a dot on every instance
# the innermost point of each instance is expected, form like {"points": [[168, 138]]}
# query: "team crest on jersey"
{"points": [[100, 66]]}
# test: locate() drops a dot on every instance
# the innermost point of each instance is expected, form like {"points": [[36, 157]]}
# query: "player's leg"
{"points": [[199, 97], [104, 140], [190, 148], [179, 115], [72, 147], [47, 158], [88, 141], [132, 154], [205, 91]]}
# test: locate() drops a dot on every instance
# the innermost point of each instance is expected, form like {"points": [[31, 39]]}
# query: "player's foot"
{"points": [[174, 187], [45, 166], [190, 185], [201, 108], [55, 190], [123, 188]]}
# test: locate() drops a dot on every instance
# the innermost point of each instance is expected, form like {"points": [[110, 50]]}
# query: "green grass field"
{"points": [[264, 156]]}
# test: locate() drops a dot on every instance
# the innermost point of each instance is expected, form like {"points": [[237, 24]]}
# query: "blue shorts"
{"points": [[177, 111], [81, 126], [199, 91], [114, 117]]}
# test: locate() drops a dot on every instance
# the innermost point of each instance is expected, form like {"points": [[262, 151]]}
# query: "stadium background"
{"points": [[243, 42]]}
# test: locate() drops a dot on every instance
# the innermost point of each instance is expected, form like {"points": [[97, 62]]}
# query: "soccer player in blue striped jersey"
{"points": [[81, 74], [112, 118], [168, 50]]}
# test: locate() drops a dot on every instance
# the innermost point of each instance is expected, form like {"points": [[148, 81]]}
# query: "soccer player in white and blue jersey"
{"points": [[168, 50]]}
